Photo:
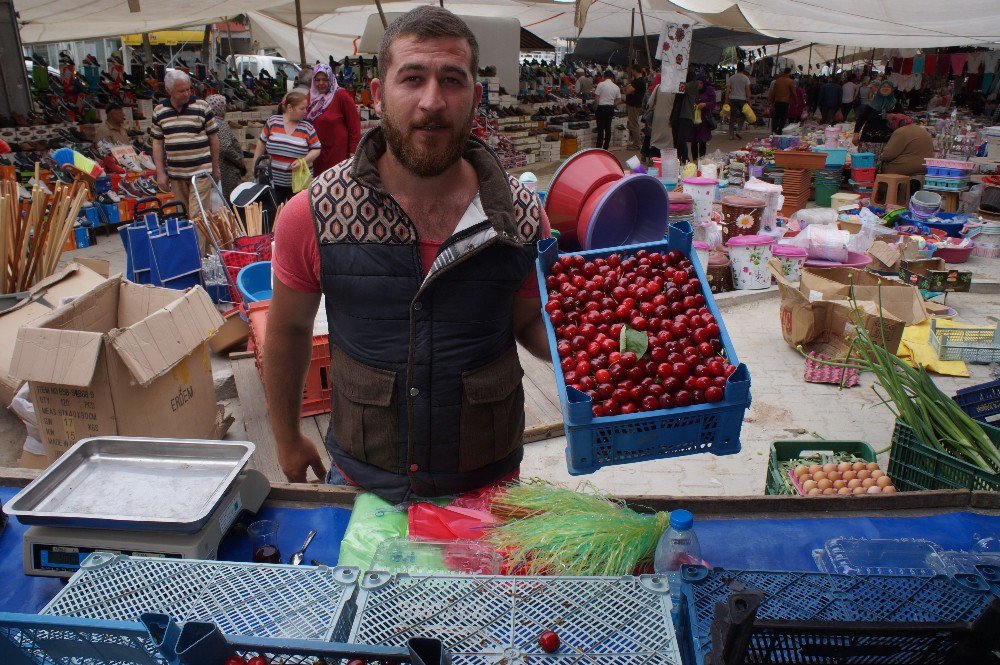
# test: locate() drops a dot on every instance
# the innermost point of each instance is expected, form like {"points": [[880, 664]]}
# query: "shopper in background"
{"points": [[848, 95], [607, 95], [185, 139], [705, 120], [112, 130], [830, 97], [635, 92], [780, 95], [584, 84], [871, 129], [289, 140], [737, 94], [797, 102], [865, 93], [230, 152], [334, 115], [907, 148], [684, 125]]}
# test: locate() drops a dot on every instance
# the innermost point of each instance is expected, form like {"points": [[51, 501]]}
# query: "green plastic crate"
{"points": [[782, 451], [914, 466]]}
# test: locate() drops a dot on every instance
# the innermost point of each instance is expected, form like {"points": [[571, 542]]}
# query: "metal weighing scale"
{"points": [[142, 497]]}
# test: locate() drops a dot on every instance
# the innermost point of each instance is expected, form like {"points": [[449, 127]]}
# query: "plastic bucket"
{"points": [[573, 183], [702, 191], [791, 259], [924, 203], [627, 211], [741, 216], [824, 195], [254, 281], [832, 137], [701, 249], [773, 200], [749, 256]]}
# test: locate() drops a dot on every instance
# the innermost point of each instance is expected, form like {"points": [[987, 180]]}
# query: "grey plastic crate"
{"points": [[494, 619], [260, 600]]}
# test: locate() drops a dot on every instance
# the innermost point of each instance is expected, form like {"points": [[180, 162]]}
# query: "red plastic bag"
{"points": [[430, 522]]}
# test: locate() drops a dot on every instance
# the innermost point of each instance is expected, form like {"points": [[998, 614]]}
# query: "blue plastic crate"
{"points": [[991, 574], [863, 160], [592, 443], [981, 401], [158, 640], [822, 597]]}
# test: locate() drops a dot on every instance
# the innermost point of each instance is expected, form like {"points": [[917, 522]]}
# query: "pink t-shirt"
{"points": [[295, 261]]}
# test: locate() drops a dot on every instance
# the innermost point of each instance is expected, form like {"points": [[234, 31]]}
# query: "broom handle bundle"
{"points": [[32, 235]]}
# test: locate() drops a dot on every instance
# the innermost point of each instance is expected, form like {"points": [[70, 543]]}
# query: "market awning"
{"points": [[707, 46], [532, 42]]}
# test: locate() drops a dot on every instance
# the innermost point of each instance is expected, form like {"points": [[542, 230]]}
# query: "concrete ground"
{"points": [[784, 406]]}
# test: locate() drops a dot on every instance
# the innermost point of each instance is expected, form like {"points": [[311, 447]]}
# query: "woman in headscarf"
{"points": [[334, 115], [907, 148], [705, 104], [871, 129], [231, 163]]}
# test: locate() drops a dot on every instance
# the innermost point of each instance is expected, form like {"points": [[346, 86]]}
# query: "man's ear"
{"points": [[376, 87]]}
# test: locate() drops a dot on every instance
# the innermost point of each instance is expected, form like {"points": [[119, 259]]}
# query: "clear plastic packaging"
{"points": [[880, 556], [401, 555]]}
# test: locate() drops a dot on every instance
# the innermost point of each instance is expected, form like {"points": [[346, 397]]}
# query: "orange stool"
{"points": [[897, 190]]}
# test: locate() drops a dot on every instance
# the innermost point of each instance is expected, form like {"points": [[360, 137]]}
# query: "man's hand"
{"points": [[163, 182], [217, 173], [298, 456]]}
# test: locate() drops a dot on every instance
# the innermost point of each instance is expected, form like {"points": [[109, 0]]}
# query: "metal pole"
{"points": [[229, 41], [631, 35], [645, 38], [302, 37], [809, 69], [381, 14], [147, 49], [836, 50], [777, 63]]}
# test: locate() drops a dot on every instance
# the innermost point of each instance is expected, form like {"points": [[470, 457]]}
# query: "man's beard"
{"points": [[416, 158]]}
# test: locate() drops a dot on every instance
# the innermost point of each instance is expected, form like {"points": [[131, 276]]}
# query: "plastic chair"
{"points": [[896, 192], [254, 281]]}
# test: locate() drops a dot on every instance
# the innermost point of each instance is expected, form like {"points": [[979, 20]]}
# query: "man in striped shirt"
{"points": [[185, 142]]}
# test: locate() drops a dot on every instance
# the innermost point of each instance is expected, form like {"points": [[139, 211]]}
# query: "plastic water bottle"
{"points": [[678, 546]]}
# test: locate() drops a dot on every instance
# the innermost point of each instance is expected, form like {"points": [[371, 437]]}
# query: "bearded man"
{"points": [[424, 249]]}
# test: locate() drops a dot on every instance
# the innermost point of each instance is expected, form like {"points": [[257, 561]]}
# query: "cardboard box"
{"points": [[41, 299], [817, 312], [121, 359], [885, 257], [934, 275]]}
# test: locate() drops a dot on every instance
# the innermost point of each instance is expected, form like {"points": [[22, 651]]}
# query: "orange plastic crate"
{"points": [[316, 393]]}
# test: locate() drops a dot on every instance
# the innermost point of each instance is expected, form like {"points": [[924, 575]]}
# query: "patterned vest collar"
{"points": [[494, 183]]}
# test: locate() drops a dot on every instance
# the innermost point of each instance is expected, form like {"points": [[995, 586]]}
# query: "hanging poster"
{"points": [[675, 55]]}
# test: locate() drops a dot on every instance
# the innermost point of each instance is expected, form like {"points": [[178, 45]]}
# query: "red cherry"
{"points": [[714, 394], [628, 408], [680, 370], [683, 398], [628, 359], [650, 403], [706, 349], [604, 376]]}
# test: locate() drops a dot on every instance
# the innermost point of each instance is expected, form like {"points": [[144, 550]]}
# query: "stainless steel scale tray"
{"points": [[133, 483]]}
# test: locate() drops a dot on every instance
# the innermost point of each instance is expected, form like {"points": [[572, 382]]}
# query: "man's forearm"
{"points": [[286, 359], [534, 338], [158, 161]]}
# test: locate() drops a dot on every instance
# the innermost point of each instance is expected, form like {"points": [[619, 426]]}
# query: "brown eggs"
{"points": [[867, 482], [801, 470], [859, 490], [839, 484], [877, 474], [872, 466], [889, 489], [813, 492], [874, 489], [864, 473], [849, 475], [814, 468], [857, 466], [809, 485], [819, 475], [883, 481], [843, 490], [824, 484], [829, 467], [854, 482], [844, 466], [829, 490]]}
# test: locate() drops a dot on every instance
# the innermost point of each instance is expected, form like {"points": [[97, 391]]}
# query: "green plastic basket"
{"points": [[914, 466], [782, 451], [824, 195]]}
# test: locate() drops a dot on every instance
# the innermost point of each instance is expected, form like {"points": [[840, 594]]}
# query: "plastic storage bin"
{"points": [[824, 195], [592, 443], [863, 160], [914, 465], [980, 402], [834, 156]]}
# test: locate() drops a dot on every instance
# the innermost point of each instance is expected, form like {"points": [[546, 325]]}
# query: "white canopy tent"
{"points": [[870, 23]]}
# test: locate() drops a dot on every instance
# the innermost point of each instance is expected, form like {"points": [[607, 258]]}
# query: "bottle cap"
{"points": [[681, 520]]}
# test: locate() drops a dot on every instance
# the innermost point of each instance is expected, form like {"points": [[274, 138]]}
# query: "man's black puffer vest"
{"points": [[425, 379]]}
